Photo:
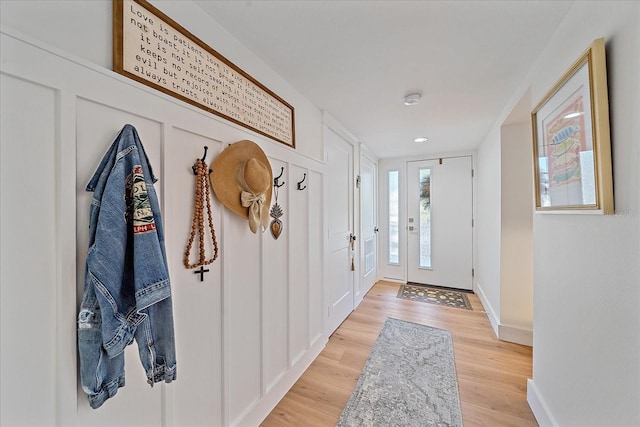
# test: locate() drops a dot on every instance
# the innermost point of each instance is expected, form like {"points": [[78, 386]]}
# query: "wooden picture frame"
{"points": [[153, 49], [571, 140]]}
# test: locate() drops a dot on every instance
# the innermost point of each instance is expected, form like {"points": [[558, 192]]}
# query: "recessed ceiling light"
{"points": [[420, 139], [412, 99]]}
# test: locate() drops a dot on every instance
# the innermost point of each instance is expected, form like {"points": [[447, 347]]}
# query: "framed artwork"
{"points": [[153, 49], [571, 140]]}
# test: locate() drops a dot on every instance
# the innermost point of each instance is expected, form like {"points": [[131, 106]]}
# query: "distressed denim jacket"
{"points": [[127, 292]]}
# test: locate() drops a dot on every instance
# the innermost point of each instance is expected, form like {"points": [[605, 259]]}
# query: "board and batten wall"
{"points": [[244, 334]]}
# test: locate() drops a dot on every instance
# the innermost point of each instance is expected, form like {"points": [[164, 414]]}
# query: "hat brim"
{"points": [[224, 171]]}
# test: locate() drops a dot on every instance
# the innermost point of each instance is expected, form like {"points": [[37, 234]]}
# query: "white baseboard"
{"points": [[515, 335], [504, 332], [488, 309], [390, 279], [538, 406]]}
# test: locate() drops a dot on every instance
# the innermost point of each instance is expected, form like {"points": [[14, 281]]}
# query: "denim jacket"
{"points": [[127, 293]]}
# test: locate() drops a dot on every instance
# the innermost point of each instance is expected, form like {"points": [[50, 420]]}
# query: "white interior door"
{"points": [[440, 215], [368, 223], [340, 283]]}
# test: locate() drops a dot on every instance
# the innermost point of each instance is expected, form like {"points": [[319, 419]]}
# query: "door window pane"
{"points": [[394, 218], [425, 218]]}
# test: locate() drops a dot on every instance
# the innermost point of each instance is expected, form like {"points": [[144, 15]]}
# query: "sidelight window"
{"points": [[425, 218], [394, 218]]}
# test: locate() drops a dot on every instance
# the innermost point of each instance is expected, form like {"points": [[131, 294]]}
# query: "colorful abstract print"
{"points": [[565, 139]]}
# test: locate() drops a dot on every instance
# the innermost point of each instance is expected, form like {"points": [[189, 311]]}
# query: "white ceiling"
{"points": [[358, 59]]}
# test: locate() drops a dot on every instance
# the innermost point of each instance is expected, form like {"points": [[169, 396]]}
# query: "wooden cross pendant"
{"points": [[201, 272]]}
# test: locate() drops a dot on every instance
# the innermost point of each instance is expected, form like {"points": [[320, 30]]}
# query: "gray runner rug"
{"points": [[408, 380]]}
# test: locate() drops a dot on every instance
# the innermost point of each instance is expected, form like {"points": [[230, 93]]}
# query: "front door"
{"points": [[440, 222]]}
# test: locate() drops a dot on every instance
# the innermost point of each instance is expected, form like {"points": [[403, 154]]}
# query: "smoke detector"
{"points": [[412, 99]]}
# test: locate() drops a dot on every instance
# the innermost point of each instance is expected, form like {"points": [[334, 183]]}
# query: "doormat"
{"points": [[434, 295]]}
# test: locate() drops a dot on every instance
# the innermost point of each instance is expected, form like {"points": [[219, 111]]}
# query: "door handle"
{"points": [[352, 241], [375, 229]]}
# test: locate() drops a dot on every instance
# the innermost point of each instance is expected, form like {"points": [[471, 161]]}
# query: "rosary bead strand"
{"points": [[202, 196]]}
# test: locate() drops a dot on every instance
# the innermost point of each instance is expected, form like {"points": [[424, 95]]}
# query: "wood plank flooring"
{"points": [[492, 374]]}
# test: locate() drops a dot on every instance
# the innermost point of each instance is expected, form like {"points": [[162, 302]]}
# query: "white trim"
{"points": [[366, 152], [504, 332], [538, 406], [389, 279], [488, 310], [515, 335], [66, 353], [329, 121], [224, 325]]}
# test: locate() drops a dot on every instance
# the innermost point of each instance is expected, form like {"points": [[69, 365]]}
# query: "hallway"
{"points": [[492, 374]]}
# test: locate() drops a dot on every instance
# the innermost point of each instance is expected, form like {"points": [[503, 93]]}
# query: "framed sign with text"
{"points": [[151, 48]]}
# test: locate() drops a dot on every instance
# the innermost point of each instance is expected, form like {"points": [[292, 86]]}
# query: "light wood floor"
{"points": [[492, 374]]}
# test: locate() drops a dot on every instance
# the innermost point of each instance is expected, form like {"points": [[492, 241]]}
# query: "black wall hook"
{"points": [[204, 156], [300, 183], [275, 180]]}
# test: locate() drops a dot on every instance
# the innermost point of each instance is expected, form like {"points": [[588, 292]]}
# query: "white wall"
{"points": [[586, 342], [516, 234], [488, 225], [586, 268], [504, 275]]}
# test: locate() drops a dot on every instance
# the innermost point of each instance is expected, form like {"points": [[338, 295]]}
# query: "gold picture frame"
{"points": [[571, 140]]}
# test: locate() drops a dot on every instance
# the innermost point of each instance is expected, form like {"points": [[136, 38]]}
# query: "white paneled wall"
{"points": [[276, 297], [244, 334], [197, 305], [299, 268], [28, 265], [316, 278]]}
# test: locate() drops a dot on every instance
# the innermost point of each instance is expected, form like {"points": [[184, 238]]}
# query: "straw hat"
{"points": [[242, 180]]}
